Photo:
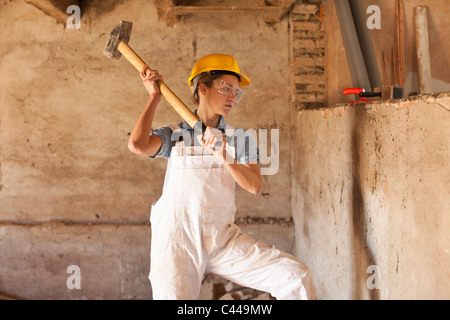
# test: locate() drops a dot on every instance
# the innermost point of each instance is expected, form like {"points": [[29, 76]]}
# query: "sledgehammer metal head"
{"points": [[120, 33]]}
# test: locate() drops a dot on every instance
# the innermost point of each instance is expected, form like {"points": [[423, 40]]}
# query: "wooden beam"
{"points": [[272, 13], [401, 44], [180, 10], [55, 8], [423, 49], [386, 81]]}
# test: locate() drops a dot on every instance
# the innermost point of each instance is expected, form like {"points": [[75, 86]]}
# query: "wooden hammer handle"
{"points": [[171, 98]]}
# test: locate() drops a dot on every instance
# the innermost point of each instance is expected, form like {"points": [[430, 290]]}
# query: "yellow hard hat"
{"points": [[218, 62]]}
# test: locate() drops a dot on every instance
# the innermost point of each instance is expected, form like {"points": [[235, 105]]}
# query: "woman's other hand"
{"points": [[149, 78]]}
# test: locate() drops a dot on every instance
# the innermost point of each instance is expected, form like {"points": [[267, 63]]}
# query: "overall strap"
{"points": [[174, 127]]}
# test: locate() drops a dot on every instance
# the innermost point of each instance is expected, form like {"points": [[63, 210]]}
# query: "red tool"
{"points": [[383, 93], [358, 91]]}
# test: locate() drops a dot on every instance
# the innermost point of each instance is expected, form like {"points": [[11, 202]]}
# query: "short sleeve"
{"points": [[165, 133]]}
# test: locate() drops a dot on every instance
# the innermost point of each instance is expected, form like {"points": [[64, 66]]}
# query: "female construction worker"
{"points": [[193, 230]]}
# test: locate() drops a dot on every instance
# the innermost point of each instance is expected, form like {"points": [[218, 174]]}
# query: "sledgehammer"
{"points": [[117, 46]]}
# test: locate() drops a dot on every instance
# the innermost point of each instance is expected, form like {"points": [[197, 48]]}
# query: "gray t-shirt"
{"points": [[244, 142]]}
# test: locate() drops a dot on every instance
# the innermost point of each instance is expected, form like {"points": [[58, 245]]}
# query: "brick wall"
{"points": [[307, 45]]}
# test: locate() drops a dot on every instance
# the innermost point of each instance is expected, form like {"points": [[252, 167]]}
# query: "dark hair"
{"points": [[207, 79]]}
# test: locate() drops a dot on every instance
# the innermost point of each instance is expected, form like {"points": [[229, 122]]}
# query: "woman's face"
{"points": [[221, 97]]}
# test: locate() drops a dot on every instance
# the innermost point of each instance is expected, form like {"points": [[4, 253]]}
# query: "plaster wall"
{"points": [[370, 198], [70, 191], [370, 183], [67, 109]]}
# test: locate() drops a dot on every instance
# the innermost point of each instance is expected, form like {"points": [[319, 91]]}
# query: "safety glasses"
{"points": [[229, 91]]}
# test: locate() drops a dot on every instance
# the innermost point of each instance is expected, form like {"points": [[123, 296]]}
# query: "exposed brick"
{"points": [[309, 62], [309, 97], [313, 25], [310, 78], [307, 34], [308, 52], [306, 8], [300, 62], [305, 43], [309, 87], [309, 71], [303, 17], [308, 106], [320, 43], [308, 55], [309, 44], [318, 2]]}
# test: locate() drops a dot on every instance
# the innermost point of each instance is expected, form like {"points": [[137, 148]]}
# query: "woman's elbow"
{"points": [[256, 188], [134, 147]]}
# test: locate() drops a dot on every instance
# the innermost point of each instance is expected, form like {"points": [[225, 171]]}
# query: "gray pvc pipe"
{"points": [[365, 42], [355, 59]]}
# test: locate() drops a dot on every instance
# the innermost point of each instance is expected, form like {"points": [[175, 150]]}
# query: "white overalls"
{"points": [[193, 233]]}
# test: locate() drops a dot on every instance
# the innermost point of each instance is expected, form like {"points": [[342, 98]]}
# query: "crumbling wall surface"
{"points": [[37, 261], [370, 198], [70, 191]]}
